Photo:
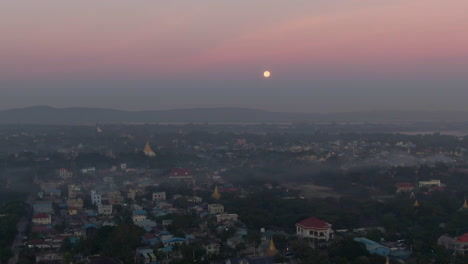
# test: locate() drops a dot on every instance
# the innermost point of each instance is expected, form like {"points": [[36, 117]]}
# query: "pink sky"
{"points": [[232, 39]]}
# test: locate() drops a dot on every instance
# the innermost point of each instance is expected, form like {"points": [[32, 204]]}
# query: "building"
{"points": [[146, 255], [105, 209], [431, 183], [216, 208], [73, 190], [226, 217], [139, 215], [43, 207], [373, 247], [212, 248], [159, 196], [404, 187], [48, 256], [148, 151], [78, 203], [458, 244], [42, 219], [65, 174], [318, 231], [96, 198], [181, 174]]}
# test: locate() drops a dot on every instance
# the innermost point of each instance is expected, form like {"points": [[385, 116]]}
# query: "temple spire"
{"points": [[216, 195], [465, 205], [271, 251], [416, 204], [148, 151]]}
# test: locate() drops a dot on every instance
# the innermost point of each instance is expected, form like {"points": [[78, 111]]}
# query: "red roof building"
{"points": [[317, 230], [404, 187], [181, 173]]}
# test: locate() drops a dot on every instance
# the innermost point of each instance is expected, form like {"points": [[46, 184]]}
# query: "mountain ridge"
{"points": [[43, 114]]}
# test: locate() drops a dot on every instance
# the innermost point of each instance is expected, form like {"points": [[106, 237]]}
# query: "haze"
{"points": [[324, 55]]}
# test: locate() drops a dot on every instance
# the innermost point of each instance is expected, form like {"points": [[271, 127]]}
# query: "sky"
{"points": [[324, 55]]}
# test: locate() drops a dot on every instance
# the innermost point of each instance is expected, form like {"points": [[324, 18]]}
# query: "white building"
{"points": [[216, 208], [105, 209], [317, 230], [139, 215], [159, 196], [226, 217], [96, 198], [429, 183]]}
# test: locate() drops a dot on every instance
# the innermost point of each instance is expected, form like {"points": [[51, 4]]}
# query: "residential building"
{"points": [[42, 219], [216, 208], [95, 198], [105, 209], [458, 244], [159, 196], [318, 231], [226, 217], [428, 184], [404, 187]]}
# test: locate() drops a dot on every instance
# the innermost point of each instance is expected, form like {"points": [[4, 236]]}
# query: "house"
{"points": [[373, 247], [172, 241], [42, 219], [48, 256], [72, 210], [428, 184], [216, 208], [78, 203], [159, 196], [73, 190], [139, 215], [404, 187], [458, 244], [212, 248], [43, 208], [226, 217], [150, 239], [65, 174], [319, 231], [95, 198], [146, 255], [105, 209], [181, 174]]}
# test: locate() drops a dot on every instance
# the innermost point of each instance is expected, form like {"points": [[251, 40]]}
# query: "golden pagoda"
{"points": [[148, 151], [416, 204], [271, 250], [465, 205], [216, 195], [388, 261]]}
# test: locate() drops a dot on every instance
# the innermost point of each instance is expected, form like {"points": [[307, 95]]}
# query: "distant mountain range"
{"points": [[79, 115]]}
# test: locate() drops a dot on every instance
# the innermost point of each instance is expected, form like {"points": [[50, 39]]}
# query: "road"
{"points": [[22, 224], [18, 240]]}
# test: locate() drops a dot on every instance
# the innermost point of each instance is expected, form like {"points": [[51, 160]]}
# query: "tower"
{"points": [[216, 195], [148, 151], [416, 204], [271, 250]]}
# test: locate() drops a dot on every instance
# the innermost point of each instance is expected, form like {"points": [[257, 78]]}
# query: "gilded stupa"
{"points": [[416, 204], [148, 151], [271, 250], [388, 261], [465, 205], [216, 195]]}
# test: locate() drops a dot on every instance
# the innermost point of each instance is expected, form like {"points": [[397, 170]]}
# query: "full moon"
{"points": [[266, 74]]}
